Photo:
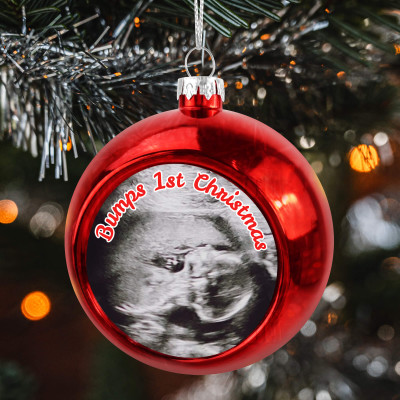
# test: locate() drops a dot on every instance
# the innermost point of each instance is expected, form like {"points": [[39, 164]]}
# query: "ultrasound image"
{"points": [[181, 275]]}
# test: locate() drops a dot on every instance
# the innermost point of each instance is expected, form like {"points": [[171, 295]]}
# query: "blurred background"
{"points": [[323, 73]]}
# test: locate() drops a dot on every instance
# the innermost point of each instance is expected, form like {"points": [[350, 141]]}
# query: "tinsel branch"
{"points": [[53, 88]]}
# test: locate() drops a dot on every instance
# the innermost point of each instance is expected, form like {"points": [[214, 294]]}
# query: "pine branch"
{"points": [[71, 83]]}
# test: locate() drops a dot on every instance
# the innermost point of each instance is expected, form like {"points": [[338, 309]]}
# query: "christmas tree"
{"points": [[75, 74]]}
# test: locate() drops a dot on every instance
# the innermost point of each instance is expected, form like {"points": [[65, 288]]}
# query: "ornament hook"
{"points": [[207, 51]]}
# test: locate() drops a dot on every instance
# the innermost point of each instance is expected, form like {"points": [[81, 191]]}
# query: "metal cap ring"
{"points": [[207, 51]]}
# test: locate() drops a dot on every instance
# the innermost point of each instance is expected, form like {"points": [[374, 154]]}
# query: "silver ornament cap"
{"points": [[205, 85]]}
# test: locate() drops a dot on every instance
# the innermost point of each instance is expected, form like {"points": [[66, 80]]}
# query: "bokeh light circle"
{"points": [[35, 306], [364, 158], [8, 211]]}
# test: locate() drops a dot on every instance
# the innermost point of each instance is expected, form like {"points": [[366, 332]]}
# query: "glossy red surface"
{"points": [[266, 167]]}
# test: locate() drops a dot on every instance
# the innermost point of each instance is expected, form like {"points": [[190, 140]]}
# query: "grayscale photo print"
{"points": [[182, 261]]}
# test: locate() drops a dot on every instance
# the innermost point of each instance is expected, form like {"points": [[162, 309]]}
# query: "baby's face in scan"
{"points": [[167, 248], [183, 277]]}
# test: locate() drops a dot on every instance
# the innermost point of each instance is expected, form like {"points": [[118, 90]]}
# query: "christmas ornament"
{"points": [[199, 240]]}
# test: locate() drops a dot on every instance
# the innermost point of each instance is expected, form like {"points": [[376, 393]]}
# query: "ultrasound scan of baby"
{"points": [[182, 276]]}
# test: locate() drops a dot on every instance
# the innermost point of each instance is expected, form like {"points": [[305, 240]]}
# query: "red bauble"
{"points": [[206, 330]]}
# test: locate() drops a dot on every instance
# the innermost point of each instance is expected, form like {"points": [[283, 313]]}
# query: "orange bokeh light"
{"points": [[364, 158], [341, 74], [239, 85], [266, 36], [35, 306], [68, 145], [8, 211]]}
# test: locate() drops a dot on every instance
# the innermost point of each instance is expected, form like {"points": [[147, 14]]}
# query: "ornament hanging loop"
{"points": [[198, 27], [198, 23], [207, 51]]}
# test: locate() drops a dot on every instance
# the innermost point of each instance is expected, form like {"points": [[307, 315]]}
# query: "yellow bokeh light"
{"points": [[8, 211], [35, 306], [364, 158]]}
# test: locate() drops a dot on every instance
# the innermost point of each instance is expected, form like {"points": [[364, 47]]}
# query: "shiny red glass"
{"points": [[261, 162]]}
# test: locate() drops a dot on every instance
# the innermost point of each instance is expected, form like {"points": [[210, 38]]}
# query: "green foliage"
{"points": [[345, 19], [223, 15], [353, 25], [17, 15], [291, 47]]}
